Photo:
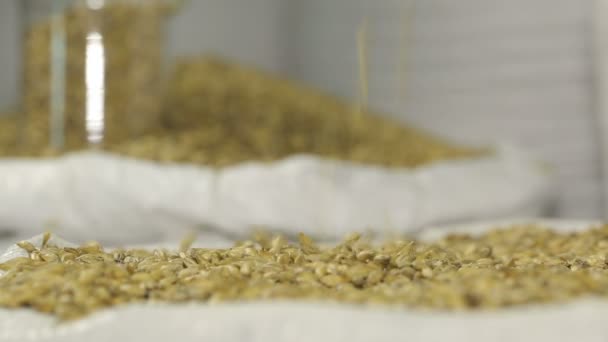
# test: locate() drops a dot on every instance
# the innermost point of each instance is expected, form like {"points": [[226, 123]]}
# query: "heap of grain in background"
{"points": [[221, 113]]}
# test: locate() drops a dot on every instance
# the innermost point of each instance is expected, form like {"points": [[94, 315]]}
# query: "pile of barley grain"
{"points": [[519, 265], [220, 113]]}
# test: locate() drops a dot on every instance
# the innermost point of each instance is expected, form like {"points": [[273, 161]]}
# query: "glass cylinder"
{"points": [[91, 72], [10, 76]]}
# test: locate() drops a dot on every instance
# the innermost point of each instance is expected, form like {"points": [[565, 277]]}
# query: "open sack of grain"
{"points": [[113, 198], [490, 281], [237, 148]]}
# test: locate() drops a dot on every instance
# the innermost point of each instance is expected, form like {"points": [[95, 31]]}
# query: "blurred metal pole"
{"points": [[58, 69], [600, 79]]}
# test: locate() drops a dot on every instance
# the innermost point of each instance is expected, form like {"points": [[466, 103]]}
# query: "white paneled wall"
{"points": [[478, 71], [323, 48], [515, 70]]}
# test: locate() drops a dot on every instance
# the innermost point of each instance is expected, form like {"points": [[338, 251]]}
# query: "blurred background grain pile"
{"points": [[220, 113]]}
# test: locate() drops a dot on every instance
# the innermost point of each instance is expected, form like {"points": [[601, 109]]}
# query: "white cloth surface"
{"points": [[303, 322], [115, 199]]}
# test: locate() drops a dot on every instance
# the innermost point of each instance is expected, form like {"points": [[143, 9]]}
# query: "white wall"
{"points": [[515, 70], [478, 71], [250, 31], [323, 48]]}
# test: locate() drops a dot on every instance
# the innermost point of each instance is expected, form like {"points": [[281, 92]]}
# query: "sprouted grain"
{"points": [[504, 267]]}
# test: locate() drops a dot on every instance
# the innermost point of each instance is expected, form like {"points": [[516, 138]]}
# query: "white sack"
{"points": [[112, 198]]}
